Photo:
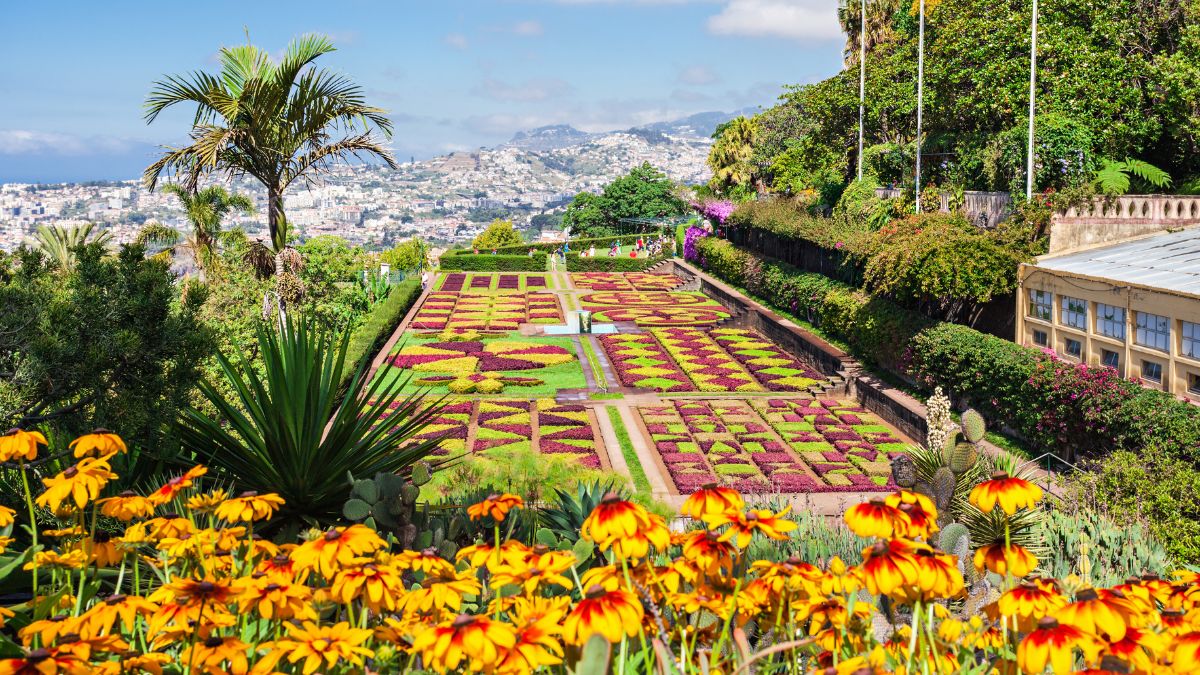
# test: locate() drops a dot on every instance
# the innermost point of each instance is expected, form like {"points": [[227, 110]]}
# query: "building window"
{"points": [[1153, 331], [1152, 371], [1193, 383], [1191, 339], [1110, 358], [1041, 304], [1074, 313], [1040, 338], [1074, 348], [1110, 321]]}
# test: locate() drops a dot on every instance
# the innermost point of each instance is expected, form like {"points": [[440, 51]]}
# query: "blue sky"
{"points": [[454, 74]]}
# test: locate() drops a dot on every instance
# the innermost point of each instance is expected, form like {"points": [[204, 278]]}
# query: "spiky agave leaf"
{"points": [[296, 432]]}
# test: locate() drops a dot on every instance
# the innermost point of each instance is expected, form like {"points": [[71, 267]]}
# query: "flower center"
{"points": [[332, 534]]}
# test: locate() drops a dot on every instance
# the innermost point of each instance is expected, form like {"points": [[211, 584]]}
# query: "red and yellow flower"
{"points": [[1010, 492]]}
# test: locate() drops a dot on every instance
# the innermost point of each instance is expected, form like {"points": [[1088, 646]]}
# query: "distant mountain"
{"points": [[700, 125], [550, 137]]}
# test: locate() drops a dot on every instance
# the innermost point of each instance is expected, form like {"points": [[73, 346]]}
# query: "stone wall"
{"points": [[985, 209], [1110, 220]]}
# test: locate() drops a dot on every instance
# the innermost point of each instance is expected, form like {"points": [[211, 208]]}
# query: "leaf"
{"points": [[596, 655], [1148, 172], [356, 509]]}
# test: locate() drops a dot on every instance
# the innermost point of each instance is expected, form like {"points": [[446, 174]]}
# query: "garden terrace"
{"points": [[676, 395]]}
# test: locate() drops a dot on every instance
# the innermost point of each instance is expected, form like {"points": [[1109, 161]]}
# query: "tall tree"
{"points": [[729, 158], [277, 121], [205, 209]]}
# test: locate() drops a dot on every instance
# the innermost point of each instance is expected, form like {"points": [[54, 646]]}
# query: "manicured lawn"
{"points": [[636, 472]]}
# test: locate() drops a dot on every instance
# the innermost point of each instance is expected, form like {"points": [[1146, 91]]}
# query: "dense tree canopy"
{"points": [[645, 192], [1116, 80], [499, 233]]}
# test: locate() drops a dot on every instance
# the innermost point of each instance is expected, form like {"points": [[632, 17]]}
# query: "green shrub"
{"points": [[1151, 487], [603, 263], [486, 262], [380, 323], [1099, 549]]}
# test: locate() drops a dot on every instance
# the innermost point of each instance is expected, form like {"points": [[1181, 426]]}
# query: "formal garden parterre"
{"points": [[654, 308], [629, 281]]}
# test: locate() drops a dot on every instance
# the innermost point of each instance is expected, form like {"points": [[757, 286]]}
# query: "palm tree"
{"points": [[730, 156], [277, 121], [58, 242], [205, 210]]}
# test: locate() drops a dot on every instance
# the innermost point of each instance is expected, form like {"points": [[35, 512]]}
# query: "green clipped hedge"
{"points": [[1072, 410], [486, 262], [576, 244], [381, 323], [603, 263]]}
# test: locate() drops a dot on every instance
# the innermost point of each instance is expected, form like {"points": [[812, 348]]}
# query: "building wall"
{"points": [[1180, 372]]}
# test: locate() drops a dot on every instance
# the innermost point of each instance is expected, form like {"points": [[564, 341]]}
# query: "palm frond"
{"points": [[157, 234]]}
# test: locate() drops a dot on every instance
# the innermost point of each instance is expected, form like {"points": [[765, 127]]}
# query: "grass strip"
{"points": [[636, 472], [593, 362]]}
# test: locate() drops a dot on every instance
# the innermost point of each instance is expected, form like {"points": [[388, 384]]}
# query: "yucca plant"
{"points": [[295, 432]]}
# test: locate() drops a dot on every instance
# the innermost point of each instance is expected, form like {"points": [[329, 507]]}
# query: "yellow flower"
{"points": [[100, 442], [70, 560], [323, 647], [103, 616], [540, 569], [920, 511], [1053, 644], [217, 655], [890, 568], [379, 586], [206, 503], [877, 518], [274, 597], [103, 550], [708, 551], [537, 621], [7, 516], [840, 579], [249, 507], [1030, 601], [496, 506], [20, 445], [50, 629], [1010, 492], [608, 613], [475, 642], [335, 548], [1102, 613], [1015, 560], [80, 483], [711, 498], [626, 527], [126, 506], [444, 591], [178, 484], [743, 525]]}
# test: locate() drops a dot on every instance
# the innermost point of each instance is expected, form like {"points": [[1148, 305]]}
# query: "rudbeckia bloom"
{"points": [[711, 498], [275, 597], [1053, 644], [1029, 601], [938, 575], [22, 445], [99, 442], [1015, 560], [921, 513], [1010, 492], [537, 621], [249, 507], [543, 570], [877, 518], [7, 516], [103, 616], [475, 642], [890, 566], [378, 586], [708, 551], [176, 485], [126, 506], [1185, 653], [45, 661], [496, 506], [216, 654], [336, 547], [840, 579], [743, 525], [1104, 613], [68, 560], [608, 613], [80, 483], [324, 647], [627, 527]]}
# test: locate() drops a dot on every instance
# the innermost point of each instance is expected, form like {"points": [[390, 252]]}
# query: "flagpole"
{"points": [[862, 81], [920, 99], [1032, 82]]}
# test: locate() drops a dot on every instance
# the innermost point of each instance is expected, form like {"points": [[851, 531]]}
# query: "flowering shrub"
{"points": [[693, 235], [716, 210], [196, 590]]}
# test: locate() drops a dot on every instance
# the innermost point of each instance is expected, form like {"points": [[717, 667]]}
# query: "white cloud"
{"points": [[698, 75], [798, 19], [529, 90], [530, 28], [456, 40], [25, 142]]}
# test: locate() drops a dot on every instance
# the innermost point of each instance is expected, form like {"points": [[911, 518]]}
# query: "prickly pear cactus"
{"points": [[973, 426], [963, 457]]}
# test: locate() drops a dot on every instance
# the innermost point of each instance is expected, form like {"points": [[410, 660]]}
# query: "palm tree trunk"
{"points": [[276, 220]]}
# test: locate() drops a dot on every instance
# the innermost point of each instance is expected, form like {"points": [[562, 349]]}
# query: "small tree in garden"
{"points": [[497, 235]]}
